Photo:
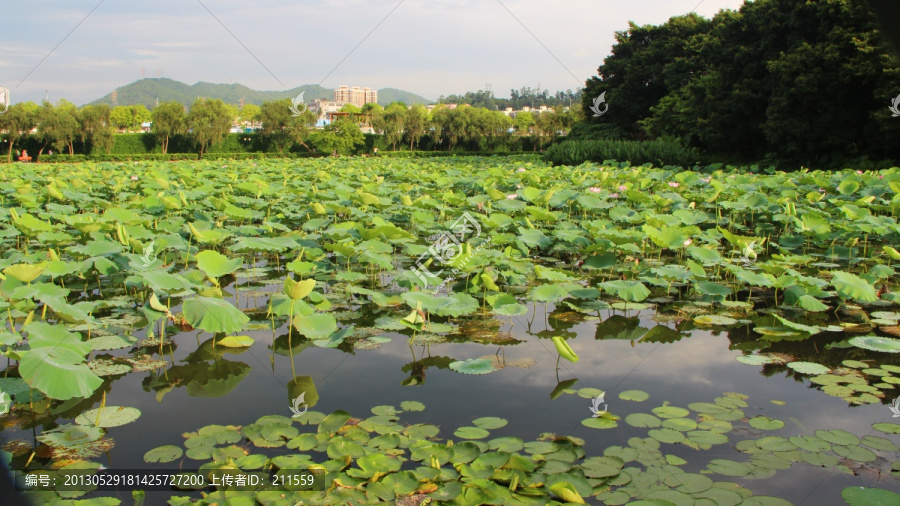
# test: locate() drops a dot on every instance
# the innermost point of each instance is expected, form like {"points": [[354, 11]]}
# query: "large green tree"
{"points": [[281, 128], [208, 123], [169, 120], [547, 125], [792, 82], [390, 123], [58, 126], [250, 112], [129, 117], [342, 136], [95, 127], [18, 121], [646, 64], [415, 124]]}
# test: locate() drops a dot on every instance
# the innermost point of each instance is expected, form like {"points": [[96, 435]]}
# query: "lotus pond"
{"points": [[460, 330]]}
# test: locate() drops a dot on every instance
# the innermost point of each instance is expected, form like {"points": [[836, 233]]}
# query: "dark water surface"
{"points": [[696, 366]]}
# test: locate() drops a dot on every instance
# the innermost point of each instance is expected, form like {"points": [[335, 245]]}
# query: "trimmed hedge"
{"points": [[144, 146], [658, 152], [56, 158]]}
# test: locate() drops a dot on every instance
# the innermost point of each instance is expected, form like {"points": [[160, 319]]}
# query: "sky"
{"points": [[81, 50]]}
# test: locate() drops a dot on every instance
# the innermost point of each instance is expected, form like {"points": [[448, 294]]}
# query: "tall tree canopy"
{"points": [[208, 122], [797, 82], [168, 120]]}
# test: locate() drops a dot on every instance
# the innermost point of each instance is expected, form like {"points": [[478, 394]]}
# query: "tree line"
{"points": [[58, 126], [207, 121], [793, 82], [525, 97]]}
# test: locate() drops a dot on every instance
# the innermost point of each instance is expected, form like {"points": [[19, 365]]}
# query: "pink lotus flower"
{"points": [[511, 196], [520, 169], [134, 178], [622, 188], [859, 172], [821, 190], [673, 184], [613, 195], [705, 179], [688, 242], [594, 189]]}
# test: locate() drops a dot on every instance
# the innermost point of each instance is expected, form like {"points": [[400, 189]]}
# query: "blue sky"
{"points": [[429, 47]]}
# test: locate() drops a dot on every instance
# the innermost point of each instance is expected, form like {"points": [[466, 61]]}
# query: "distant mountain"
{"points": [[388, 95], [148, 91]]}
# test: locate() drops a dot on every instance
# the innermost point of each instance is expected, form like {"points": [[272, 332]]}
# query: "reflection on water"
{"points": [[204, 382]]}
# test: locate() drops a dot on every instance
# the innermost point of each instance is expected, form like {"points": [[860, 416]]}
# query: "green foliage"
{"points": [[342, 136], [58, 125], [169, 120], [17, 121], [658, 152], [208, 123], [751, 84], [281, 129], [129, 117]]}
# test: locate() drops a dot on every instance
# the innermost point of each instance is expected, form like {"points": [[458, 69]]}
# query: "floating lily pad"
{"points": [[489, 422], [634, 395], [235, 341], [809, 368], [109, 416], [473, 366], [412, 406], [714, 319], [887, 428], [108, 368], [679, 424], [837, 437], [775, 444], [765, 423], [754, 359], [876, 343], [810, 443], [670, 412], [862, 496], [600, 423], [729, 468], [642, 420], [590, 393], [666, 435], [112, 342], [471, 433], [163, 454], [855, 452]]}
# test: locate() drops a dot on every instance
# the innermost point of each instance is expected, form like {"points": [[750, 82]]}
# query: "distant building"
{"points": [[322, 107], [355, 95]]}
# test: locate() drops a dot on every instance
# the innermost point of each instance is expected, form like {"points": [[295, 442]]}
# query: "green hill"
{"points": [[148, 91], [388, 95]]}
